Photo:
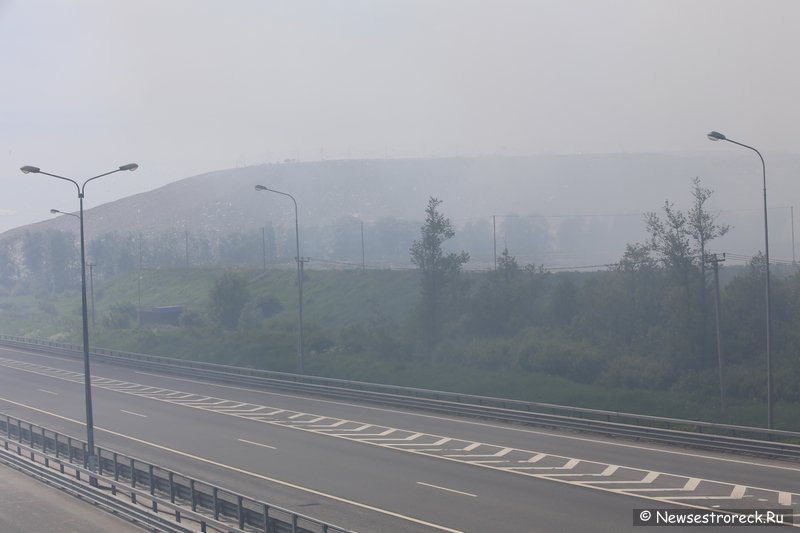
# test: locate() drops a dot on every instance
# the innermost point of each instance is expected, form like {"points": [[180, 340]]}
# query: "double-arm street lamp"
{"points": [[717, 136], [299, 277], [92, 458]]}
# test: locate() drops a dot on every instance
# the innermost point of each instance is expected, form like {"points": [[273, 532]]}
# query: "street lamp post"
{"points": [[91, 265], [300, 261], [716, 136], [92, 458]]}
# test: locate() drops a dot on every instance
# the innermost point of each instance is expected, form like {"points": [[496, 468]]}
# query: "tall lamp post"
{"points": [[717, 136], [299, 277], [92, 458], [91, 265]]}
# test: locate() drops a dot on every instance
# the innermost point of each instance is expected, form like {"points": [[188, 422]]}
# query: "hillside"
{"points": [[591, 205]]}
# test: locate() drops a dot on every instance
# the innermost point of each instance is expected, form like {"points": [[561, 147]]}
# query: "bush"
{"points": [[121, 315], [538, 351], [636, 372], [228, 298]]}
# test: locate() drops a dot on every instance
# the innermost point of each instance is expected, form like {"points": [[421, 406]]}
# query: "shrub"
{"points": [[121, 315]]}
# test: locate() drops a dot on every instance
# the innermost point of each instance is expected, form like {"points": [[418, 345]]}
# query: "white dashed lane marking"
{"points": [[659, 486]]}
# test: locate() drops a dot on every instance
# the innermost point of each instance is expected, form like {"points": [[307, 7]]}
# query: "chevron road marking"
{"points": [[647, 479], [613, 476], [359, 428], [386, 432], [321, 427], [398, 442], [736, 494], [501, 453], [691, 484], [243, 471]]}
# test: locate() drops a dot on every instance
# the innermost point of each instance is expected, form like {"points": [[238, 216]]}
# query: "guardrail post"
{"points": [[266, 518], [216, 503], [194, 495], [172, 487], [44, 442], [241, 512], [99, 460], [69, 448], [133, 474], [294, 523], [152, 489], [19, 431]]}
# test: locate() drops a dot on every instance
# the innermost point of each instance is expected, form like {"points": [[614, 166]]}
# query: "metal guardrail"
{"points": [[721, 437], [141, 491]]}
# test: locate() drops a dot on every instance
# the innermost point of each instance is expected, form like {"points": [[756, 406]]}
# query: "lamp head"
{"points": [[716, 136], [27, 169], [261, 188], [129, 166]]}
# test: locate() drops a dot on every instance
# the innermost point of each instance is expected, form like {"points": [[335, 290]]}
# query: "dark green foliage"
{"points": [[439, 270], [269, 306], [228, 298], [121, 315]]}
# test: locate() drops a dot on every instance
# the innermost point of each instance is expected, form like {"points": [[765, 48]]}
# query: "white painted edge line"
{"points": [[242, 471], [552, 434], [132, 413], [48, 392], [257, 444], [447, 490], [629, 491]]}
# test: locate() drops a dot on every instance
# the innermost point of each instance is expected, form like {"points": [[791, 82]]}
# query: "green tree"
{"points": [[439, 269], [703, 228], [228, 298], [499, 305]]}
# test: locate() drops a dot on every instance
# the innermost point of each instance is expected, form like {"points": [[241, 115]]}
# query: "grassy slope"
{"points": [[333, 299]]}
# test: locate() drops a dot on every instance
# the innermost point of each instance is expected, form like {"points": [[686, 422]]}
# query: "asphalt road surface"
{"points": [[377, 469]]}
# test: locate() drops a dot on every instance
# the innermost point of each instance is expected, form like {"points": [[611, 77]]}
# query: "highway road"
{"points": [[377, 469]]}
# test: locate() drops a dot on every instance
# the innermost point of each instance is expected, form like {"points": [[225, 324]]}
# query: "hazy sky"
{"points": [[188, 86]]}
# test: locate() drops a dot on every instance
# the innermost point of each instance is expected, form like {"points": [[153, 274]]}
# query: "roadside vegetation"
{"points": [[638, 337]]}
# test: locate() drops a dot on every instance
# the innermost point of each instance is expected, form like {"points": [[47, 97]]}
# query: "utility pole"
{"points": [[363, 255], [301, 261], [494, 239], [91, 287], [264, 246], [716, 259], [794, 259]]}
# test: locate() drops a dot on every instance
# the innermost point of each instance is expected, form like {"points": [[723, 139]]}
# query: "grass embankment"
{"points": [[333, 300]]}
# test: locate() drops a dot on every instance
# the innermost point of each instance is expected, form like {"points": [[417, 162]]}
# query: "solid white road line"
{"points": [[552, 434], [242, 471], [49, 392]]}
